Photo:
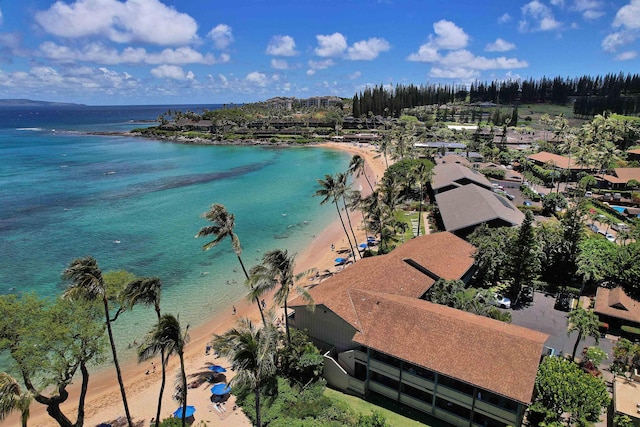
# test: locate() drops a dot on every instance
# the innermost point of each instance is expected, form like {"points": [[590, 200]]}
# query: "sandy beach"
{"points": [[142, 383]]}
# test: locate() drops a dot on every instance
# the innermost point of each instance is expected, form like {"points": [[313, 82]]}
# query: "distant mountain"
{"points": [[31, 103]]}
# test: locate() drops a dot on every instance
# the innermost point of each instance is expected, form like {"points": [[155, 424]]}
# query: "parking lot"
{"points": [[541, 316]]}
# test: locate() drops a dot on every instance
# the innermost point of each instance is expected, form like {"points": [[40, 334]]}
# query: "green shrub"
{"points": [[493, 173], [630, 330]]}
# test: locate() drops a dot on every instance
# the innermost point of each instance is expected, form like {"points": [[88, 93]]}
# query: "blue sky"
{"points": [[114, 52]]}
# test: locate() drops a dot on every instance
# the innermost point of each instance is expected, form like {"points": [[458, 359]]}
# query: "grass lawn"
{"points": [[404, 217], [396, 414]]}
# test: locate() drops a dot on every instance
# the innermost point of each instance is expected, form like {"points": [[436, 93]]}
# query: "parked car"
{"points": [[501, 301], [594, 228], [527, 294], [527, 203], [563, 302], [610, 237], [588, 194]]}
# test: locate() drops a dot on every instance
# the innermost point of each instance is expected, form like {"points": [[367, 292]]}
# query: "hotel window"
{"points": [[360, 371], [455, 384], [384, 380], [497, 400], [485, 421], [417, 393], [458, 410]]}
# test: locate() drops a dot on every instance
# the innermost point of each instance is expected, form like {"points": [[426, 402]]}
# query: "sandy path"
{"points": [[103, 400]]}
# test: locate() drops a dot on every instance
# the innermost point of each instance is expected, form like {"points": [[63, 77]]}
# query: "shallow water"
{"points": [[135, 204]]}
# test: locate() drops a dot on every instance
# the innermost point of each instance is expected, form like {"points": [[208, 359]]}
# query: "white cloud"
{"points": [[311, 72], [168, 72], [537, 17], [500, 45], [368, 49], [321, 65], [449, 35], [256, 78], [221, 36], [282, 46], [464, 58], [146, 21], [590, 9], [613, 41], [626, 56], [426, 53], [1, 17], [354, 75], [454, 73], [504, 18], [628, 16], [331, 45], [557, 3], [100, 54], [279, 64]]}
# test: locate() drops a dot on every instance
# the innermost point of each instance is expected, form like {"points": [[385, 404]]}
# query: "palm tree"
{"points": [[146, 291], [330, 191], [344, 191], [277, 269], [422, 177], [87, 284], [357, 166], [166, 337], [222, 227], [586, 323], [252, 353], [12, 398]]}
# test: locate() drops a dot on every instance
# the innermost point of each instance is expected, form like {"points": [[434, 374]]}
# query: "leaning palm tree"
{"points": [[146, 291], [586, 323], [12, 398], [344, 191], [222, 227], [252, 353], [357, 166], [167, 337], [277, 270], [87, 284], [330, 191]]}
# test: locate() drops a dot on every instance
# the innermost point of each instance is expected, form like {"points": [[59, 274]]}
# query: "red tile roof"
{"points": [[493, 355], [379, 297]]}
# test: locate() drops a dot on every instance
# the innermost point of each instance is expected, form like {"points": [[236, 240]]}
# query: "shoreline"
{"points": [[103, 401]]}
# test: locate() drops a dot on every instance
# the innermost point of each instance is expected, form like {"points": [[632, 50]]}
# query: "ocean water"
{"points": [[135, 204]]}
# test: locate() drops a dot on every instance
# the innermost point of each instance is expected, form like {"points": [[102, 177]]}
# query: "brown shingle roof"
{"points": [[559, 161], [627, 174], [616, 303], [493, 355], [470, 205], [453, 174], [443, 254]]}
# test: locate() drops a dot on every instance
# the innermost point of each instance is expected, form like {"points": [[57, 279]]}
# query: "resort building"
{"points": [[466, 199], [546, 159], [380, 336], [621, 178], [615, 308]]}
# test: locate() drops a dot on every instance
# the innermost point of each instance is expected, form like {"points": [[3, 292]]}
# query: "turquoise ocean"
{"points": [[135, 204]]}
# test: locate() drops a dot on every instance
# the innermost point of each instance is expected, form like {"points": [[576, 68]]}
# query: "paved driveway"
{"points": [[541, 316]]}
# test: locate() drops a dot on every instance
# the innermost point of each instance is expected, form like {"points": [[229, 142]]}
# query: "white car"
{"points": [[502, 301], [610, 237]]}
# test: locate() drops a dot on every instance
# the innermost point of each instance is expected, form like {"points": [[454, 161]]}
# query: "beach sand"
{"points": [[104, 401]]}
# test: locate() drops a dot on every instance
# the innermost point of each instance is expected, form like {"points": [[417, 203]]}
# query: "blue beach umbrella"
{"points": [[363, 246], [341, 260], [188, 413], [220, 389], [217, 369]]}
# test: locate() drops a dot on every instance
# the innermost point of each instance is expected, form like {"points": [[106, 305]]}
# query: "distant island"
{"points": [[32, 103]]}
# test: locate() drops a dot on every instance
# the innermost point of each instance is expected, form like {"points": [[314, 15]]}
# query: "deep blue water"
{"points": [[135, 204]]}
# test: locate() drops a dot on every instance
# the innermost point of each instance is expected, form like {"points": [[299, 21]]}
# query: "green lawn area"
{"points": [[396, 414], [402, 216]]}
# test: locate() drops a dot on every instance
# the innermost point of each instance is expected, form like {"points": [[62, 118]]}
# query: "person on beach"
{"points": [[333, 247], [234, 310]]}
